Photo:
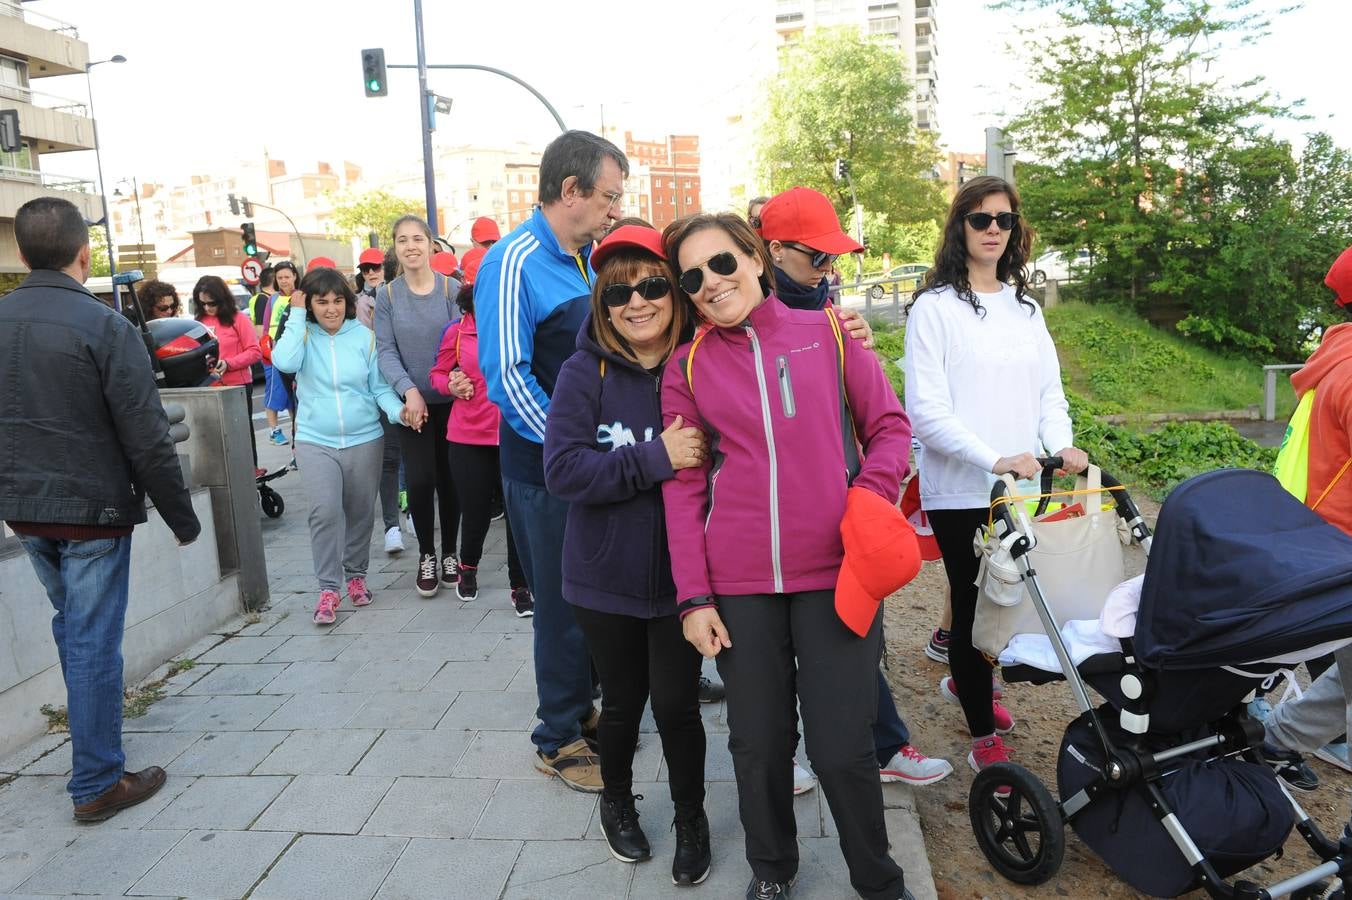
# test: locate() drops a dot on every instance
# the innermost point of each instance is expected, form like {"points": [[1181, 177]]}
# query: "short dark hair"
{"points": [[266, 277], [50, 232], [391, 265], [214, 287], [578, 153], [325, 280]]}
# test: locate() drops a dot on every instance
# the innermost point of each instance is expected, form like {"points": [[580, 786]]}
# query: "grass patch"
{"points": [[136, 702]]}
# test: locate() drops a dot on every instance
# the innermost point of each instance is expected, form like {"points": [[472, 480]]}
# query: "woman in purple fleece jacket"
{"points": [[606, 453], [754, 534]]}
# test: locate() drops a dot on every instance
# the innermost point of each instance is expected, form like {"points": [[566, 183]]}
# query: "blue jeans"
{"points": [[563, 682], [86, 582]]}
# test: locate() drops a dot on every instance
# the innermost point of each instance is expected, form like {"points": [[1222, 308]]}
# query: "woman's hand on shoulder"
{"points": [[1073, 460], [685, 444], [856, 327], [704, 629]]}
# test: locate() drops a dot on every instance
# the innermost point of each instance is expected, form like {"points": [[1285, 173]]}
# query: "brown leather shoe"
{"points": [[131, 789]]}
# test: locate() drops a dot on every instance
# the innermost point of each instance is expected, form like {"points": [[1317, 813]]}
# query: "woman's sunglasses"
{"points": [[724, 263], [981, 221], [820, 258], [653, 288]]}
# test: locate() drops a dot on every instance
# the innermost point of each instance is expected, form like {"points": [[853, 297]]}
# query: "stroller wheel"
{"points": [[273, 504], [1022, 835]]}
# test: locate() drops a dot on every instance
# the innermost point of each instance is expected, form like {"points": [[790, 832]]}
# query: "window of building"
{"points": [[17, 159], [687, 184], [218, 252], [890, 25], [657, 200]]}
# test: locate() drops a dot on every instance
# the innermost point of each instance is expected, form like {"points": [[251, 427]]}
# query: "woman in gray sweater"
{"points": [[412, 311]]}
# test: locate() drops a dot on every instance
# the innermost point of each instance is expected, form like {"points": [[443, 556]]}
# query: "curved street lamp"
{"points": [[98, 161]]}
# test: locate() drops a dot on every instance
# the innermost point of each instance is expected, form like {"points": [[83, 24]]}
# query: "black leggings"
{"points": [[474, 468], [253, 438], [427, 471], [634, 656], [953, 530]]}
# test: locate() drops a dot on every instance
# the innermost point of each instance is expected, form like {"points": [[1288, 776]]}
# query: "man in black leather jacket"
{"points": [[83, 439]]}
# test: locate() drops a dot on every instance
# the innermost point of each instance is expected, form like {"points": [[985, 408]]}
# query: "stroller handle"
{"points": [[1007, 512]]}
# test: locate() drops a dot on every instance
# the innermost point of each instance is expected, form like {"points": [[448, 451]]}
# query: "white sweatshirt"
{"points": [[979, 388]]}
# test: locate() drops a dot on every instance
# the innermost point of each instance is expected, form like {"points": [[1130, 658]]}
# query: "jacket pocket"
{"points": [[785, 382], [600, 551]]}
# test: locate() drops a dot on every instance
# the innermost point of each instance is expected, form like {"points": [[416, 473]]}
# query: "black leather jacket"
{"points": [[83, 435]]}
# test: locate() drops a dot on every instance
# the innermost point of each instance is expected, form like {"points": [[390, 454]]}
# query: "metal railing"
{"points": [[43, 100], [47, 179], [16, 11]]}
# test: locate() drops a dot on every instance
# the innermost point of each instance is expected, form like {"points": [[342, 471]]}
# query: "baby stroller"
{"points": [[273, 504], [1164, 781]]}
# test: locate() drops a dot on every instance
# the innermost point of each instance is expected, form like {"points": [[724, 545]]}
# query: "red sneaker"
{"points": [[326, 607], [987, 752], [1004, 722], [357, 591]]}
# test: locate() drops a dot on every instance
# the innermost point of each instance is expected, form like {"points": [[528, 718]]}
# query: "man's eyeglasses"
{"points": [[653, 288], [724, 263], [612, 197], [981, 221], [820, 258]]}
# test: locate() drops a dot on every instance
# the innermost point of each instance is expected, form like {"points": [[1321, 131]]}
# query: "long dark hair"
{"points": [[950, 260], [214, 288]]}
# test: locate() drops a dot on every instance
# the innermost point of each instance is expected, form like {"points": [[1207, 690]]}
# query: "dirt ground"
{"points": [[1041, 714]]}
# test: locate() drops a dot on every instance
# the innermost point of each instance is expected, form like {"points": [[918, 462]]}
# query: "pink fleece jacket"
{"points": [[763, 514], [237, 344], [473, 421]]}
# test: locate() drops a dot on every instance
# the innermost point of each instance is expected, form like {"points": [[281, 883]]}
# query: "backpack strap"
{"points": [[603, 369], [690, 362], [849, 438]]}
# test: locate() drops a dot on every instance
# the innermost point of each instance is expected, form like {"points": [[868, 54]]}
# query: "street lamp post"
{"points": [[98, 160], [140, 229]]}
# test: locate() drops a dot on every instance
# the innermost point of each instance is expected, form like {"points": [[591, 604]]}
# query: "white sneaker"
{"points": [[911, 766], [803, 780], [394, 541]]}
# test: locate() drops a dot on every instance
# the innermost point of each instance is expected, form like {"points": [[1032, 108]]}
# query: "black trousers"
{"points": [[637, 658], [788, 647], [427, 473], [253, 438], [953, 530], [477, 477]]}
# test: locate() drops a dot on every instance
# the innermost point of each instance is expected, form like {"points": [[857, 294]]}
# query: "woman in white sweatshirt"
{"points": [[983, 391]]}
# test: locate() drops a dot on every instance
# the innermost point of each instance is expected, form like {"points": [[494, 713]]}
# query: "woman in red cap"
{"points": [[607, 454], [983, 389], [754, 535]]}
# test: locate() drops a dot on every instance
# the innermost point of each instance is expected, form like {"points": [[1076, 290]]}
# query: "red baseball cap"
{"points": [[806, 217], [469, 263], [320, 262], [484, 230], [1339, 278], [444, 262], [371, 256], [881, 555], [649, 239]]}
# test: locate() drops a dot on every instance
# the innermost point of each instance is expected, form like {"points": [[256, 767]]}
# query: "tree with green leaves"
{"points": [[98, 252], [355, 216], [836, 96]]}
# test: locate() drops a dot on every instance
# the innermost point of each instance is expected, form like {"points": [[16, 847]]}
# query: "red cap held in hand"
{"points": [[881, 555]]}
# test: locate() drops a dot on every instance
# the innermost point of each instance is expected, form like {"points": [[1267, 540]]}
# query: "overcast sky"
{"points": [[285, 74]]}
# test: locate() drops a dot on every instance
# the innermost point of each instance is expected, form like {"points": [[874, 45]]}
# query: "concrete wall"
{"points": [[177, 596]]}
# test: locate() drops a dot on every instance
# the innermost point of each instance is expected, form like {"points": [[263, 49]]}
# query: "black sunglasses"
{"points": [[724, 263], [820, 258], [981, 221], [652, 288]]}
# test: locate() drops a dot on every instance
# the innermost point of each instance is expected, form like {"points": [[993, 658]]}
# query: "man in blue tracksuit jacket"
{"points": [[530, 299]]}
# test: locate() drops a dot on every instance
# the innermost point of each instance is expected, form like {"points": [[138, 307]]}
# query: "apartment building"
{"points": [[664, 176], [33, 47]]}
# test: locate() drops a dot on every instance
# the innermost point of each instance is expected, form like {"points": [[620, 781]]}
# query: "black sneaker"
{"points": [[691, 864], [467, 588], [619, 823], [710, 691], [450, 570], [937, 649], [427, 580], [770, 890], [496, 510], [1291, 768], [523, 602]]}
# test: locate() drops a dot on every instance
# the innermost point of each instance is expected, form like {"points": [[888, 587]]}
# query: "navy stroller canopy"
{"points": [[1241, 571]]}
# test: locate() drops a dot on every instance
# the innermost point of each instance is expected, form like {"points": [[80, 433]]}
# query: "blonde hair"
{"points": [[626, 267]]}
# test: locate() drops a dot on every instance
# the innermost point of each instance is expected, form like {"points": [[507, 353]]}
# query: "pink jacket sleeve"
{"points": [[881, 425], [685, 496], [249, 351], [446, 360]]}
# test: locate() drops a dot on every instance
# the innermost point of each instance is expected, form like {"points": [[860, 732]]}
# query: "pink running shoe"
{"points": [[1004, 722], [326, 607], [986, 753], [357, 592]]}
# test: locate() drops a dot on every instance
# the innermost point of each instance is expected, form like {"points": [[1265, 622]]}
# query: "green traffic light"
{"points": [[373, 86], [250, 249]]}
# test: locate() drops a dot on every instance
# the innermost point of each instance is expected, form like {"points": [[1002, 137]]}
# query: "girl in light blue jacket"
{"points": [[339, 437]]}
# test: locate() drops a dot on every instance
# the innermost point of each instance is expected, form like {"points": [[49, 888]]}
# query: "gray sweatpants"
{"points": [[341, 487], [1310, 721]]}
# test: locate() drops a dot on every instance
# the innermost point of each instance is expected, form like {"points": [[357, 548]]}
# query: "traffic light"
{"points": [[247, 206], [250, 239], [842, 169], [373, 72], [10, 139], [234, 204]]}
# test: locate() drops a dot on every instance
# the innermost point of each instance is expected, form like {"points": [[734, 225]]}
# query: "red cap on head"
{"points": [[469, 263], [484, 230], [639, 236], [881, 555], [371, 256], [444, 262], [1340, 278], [806, 217], [320, 262]]}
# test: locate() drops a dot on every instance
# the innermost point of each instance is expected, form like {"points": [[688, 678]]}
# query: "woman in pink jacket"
{"points": [[754, 533], [237, 343], [472, 445]]}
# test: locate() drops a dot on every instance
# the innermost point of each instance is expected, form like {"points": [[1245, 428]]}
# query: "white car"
{"points": [[1054, 266]]}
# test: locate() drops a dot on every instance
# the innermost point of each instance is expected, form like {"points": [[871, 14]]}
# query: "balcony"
{"points": [[924, 15], [51, 46], [54, 124], [18, 186]]}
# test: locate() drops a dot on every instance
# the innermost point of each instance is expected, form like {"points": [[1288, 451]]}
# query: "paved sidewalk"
{"points": [[387, 756]]}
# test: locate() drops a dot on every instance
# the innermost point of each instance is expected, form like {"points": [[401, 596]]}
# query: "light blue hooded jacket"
{"points": [[338, 384]]}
